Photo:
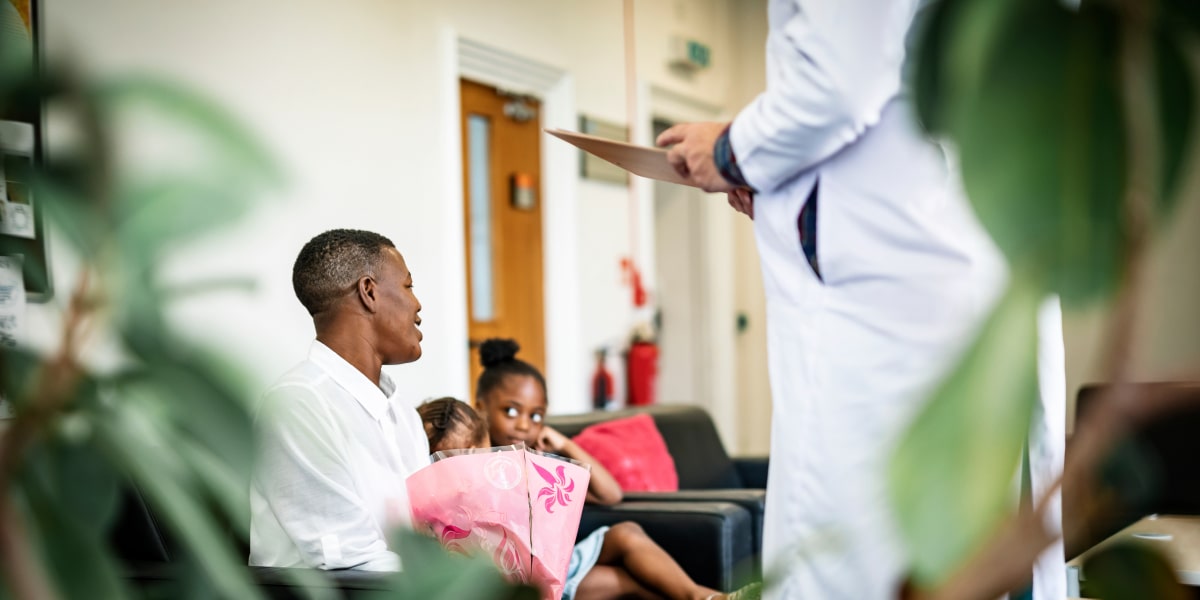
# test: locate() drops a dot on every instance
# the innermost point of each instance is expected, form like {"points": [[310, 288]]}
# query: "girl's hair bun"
{"points": [[495, 351]]}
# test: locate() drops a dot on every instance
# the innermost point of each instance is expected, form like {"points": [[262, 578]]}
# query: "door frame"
{"points": [[477, 61], [713, 321]]}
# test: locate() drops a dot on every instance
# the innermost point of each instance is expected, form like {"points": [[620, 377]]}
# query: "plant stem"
{"points": [[56, 379], [55, 383], [1143, 138], [25, 577], [1138, 88]]}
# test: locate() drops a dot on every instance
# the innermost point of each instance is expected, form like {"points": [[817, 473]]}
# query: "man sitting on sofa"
{"points": [[335, 445]]}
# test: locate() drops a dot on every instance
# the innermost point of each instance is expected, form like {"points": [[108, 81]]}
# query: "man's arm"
{"points": [[833, 70], [304, 475]]}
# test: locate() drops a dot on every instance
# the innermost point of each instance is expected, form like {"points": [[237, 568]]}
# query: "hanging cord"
{"points": [[631, 117]]}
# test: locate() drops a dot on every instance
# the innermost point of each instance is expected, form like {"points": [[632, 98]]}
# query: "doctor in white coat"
{"points": [[877, 275]]}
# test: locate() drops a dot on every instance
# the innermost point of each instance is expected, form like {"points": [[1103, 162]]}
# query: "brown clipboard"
{"points": [[647, 161]]}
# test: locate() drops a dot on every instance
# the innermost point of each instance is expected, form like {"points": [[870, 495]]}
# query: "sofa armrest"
{"points": [[752, 470], [710, 540], [161, 580], [753, 501]]}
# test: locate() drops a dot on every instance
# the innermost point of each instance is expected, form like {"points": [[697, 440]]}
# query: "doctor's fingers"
{"points": [[742, 201], [673, 135], [704, 174], [678, 160]]}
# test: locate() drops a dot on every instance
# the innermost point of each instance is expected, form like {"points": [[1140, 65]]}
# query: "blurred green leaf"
{"points": [[18, 370], [1042, 149], [932, 31], [170, 211], [81, 565], [205, 286], [130, 436], [176, 421], [1028, 91], [1184, 12], [78, 479], [201, 399], [226, 485], [186, 401], [955, 39], [81, 222], [139, 311], [951, 478], [229, 140], [313, 584], [431, 573], [1130, 571]]}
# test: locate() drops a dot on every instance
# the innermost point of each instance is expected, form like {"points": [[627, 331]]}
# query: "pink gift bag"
{"points": [[518, 506]]}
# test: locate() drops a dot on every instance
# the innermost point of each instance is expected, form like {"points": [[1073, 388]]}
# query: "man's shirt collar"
{"points": [[374, 399]]}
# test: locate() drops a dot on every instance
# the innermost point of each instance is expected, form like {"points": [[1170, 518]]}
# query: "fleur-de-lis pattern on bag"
{"points": [[559, 490]]}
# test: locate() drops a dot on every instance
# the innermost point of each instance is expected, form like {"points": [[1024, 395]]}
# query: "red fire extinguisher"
{"points": [[642, 370], [602, 383]]}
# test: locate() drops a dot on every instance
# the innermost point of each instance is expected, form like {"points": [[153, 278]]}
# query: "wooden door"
{"points": [[503, 221]]}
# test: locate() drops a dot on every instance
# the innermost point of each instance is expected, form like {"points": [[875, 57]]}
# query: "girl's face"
{"points": [[515, 410]]}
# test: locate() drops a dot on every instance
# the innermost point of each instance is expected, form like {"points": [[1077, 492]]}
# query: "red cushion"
{"points": [[634, 452]]}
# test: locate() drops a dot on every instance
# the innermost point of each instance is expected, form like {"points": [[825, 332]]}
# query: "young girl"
{"points": [[452, 425], [617, 562]]}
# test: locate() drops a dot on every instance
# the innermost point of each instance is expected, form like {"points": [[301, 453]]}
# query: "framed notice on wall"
{"points": [[594, 167], [22, 226]]}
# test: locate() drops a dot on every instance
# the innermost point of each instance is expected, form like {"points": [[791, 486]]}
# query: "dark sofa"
{"points": [[711, 540], [707, 474]]}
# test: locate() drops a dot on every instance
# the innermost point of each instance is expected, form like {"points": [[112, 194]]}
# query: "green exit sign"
{"points": [[698, 54], [688, 55]]}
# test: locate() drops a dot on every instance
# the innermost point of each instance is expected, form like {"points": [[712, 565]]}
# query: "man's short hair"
{"points": [[332, 262]]}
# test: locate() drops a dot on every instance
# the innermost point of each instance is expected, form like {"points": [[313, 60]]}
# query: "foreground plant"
{"points": [[125, 401], [1075, 128]]}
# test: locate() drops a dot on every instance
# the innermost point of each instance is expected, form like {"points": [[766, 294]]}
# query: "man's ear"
{"points": [[368, 293]]}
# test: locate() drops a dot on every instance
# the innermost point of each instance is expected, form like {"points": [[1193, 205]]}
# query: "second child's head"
{"points": [[452, 425], [511, 394]]}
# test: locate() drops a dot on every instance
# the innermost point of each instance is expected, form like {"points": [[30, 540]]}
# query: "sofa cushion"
{"points": [[634, 453], [700, 459]]}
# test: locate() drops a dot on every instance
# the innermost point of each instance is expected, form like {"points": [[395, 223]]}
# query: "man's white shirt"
{"points": [[334, 451]]}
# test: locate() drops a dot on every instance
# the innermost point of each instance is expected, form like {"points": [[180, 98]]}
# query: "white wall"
{"points": [[347, 95], [753, 385], [350, 97], [677, 228], [1167, 345]]}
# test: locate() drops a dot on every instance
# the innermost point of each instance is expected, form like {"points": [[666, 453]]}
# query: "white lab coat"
{"points": [[908, 277]]}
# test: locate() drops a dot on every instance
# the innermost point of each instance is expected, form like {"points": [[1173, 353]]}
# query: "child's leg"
{"points": [[605, 582], [627, 545]]}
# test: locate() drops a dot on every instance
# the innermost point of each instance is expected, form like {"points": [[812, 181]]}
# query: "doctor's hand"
{"points": [[742, 200], [692, 154]]}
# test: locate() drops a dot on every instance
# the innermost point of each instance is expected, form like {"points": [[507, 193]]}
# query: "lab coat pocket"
{"points": [[808, 231]]}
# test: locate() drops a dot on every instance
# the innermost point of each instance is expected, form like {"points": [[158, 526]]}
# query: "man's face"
{"points": [[397, 318]]}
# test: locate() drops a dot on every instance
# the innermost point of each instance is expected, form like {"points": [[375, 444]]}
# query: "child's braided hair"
{"points": [[445, 415]]}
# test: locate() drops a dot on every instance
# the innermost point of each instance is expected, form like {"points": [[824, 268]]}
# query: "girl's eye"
{"points": [[511, 413], [537, 418]]}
